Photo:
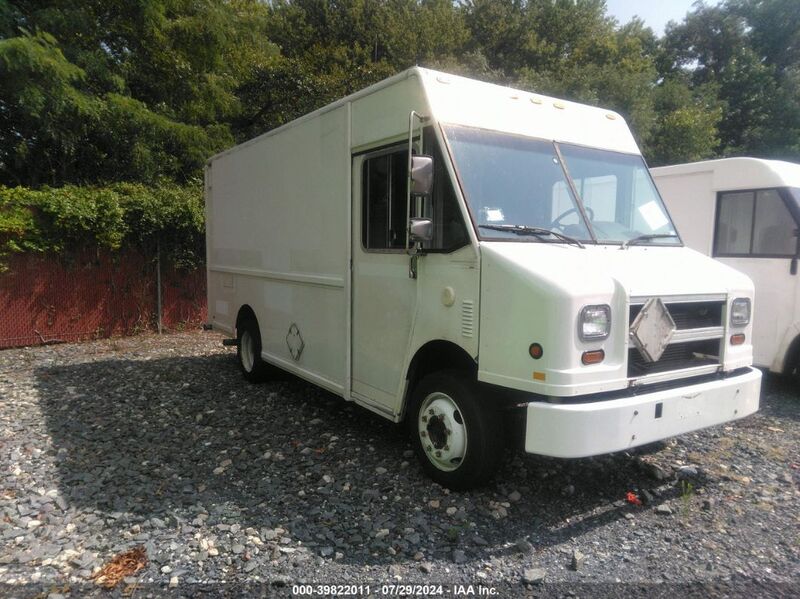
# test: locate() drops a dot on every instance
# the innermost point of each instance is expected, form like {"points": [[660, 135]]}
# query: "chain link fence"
{"points": [[55, 298]]}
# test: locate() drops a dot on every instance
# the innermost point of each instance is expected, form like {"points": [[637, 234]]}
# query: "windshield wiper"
{"points": [[640, 238], [535, 231]]}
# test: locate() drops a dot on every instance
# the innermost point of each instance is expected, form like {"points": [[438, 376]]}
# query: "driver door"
{"points": [[384, 297]]}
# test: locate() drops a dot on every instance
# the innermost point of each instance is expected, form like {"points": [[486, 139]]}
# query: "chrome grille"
{"points": [[695, 343], [690, 315]]}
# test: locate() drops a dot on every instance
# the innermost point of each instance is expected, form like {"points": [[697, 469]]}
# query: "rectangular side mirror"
{"points": [[421, 175], [420, 229]]}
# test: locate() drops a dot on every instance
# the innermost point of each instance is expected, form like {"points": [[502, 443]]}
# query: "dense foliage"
{"points": [[165, 217], [100, 92]]}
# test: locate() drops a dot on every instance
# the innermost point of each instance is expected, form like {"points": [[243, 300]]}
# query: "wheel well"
{"points": [[434, 356], [245, 313], [792, 361]]}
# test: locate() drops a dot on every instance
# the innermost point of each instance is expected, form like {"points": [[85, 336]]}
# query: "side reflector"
{"points": [[536, 351], [737, 339], [538, 376], [593, 357]]}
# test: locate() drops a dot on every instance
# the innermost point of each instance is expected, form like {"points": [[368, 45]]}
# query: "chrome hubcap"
{"points": [[442, 431]]}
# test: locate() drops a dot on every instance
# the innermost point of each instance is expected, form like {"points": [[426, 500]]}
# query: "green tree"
{"points": [[686, 123], [108, 90]]}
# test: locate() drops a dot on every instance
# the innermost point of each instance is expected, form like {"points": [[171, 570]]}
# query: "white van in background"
{"points": [[480, 262], [745, 212]]}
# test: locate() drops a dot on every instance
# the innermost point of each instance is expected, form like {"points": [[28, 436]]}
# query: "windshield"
{"points": [[512, 180]]}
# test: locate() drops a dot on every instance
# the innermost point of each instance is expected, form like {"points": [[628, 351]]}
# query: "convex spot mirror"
{"points": [[421, 175], [420, 229]]}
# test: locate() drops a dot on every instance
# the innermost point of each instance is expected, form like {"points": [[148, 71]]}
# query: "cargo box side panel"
{"points": [[277, 241], [691, 201]]}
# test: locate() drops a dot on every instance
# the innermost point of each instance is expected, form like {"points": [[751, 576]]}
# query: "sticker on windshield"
{"points": [[492, 215], [653, 215]]}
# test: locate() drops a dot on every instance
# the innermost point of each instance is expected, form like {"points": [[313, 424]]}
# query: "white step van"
{"points": [[745, 212], [480, 262]]}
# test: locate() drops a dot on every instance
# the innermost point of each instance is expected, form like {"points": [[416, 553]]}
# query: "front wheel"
{"points": [[456, 435]]}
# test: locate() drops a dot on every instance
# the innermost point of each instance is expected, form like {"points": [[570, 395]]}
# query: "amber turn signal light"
{"points": [[737, 339], [536, 351], [593, 357]]}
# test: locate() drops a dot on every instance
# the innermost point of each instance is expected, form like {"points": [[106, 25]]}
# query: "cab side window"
{"points": [[384, 184], [384, 187], [754, 223]]}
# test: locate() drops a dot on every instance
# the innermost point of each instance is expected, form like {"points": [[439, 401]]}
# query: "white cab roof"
{"points": [[463, 101], [459, 100], [739, 173]]}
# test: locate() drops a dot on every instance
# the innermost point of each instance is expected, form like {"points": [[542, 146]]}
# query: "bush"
{"points": [[111, 217]]}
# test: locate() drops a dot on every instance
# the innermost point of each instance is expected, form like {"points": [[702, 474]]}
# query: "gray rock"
{"points": [[479, 540], [426, 567], [663, 510], [533, 575], [459, 556], [523, 546], [250, 566], [578, 560], [655, 471], [514, 496]]}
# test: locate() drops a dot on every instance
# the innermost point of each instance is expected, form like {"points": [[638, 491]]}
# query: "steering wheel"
{"points": [[557, 221]]}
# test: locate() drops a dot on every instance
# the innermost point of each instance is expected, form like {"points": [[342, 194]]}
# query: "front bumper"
{"points": [[577, 430]]}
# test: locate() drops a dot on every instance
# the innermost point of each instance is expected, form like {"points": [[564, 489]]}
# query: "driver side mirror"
{"points": [[420, 229], [421, 175]]}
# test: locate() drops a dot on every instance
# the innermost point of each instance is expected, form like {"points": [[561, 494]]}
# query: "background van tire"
{"points": [[248, 352], [456, 434]]}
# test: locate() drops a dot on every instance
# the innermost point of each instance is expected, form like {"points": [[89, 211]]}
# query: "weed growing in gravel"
{"points": [[687, 494]]}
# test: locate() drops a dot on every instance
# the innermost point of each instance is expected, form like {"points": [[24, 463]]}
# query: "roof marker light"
{"points": [[611, 117], [535, 100], [559, 105]]}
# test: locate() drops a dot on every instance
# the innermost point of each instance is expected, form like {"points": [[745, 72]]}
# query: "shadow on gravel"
{"points": [[780, 396], [166, 440]]}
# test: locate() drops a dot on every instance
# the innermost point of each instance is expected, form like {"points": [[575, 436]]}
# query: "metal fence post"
{"points": [[158, 280]]}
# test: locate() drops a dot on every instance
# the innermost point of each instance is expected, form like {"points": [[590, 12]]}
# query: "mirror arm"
{"points": [[421, 119]]}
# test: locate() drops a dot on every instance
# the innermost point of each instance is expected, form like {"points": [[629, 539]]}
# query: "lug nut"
{"points": [[431, 412], [428, 448], [438, 454], [423, 433], [447, 448], [424, 419]]}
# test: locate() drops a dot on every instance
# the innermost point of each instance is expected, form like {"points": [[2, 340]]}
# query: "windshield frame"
{"points": [[571, 188]]}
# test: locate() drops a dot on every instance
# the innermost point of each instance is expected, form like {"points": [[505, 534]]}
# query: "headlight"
{"points": [[595, 322], [740, 311]]}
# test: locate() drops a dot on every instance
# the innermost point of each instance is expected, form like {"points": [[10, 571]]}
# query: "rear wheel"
{"points": [[456, 436], [253, 367]]}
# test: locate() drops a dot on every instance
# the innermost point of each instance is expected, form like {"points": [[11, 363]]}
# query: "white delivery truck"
{"points": [[481, 263], [745, 212]]}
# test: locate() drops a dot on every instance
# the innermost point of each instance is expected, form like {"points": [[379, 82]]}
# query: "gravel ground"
{"points": [[235, 488]]}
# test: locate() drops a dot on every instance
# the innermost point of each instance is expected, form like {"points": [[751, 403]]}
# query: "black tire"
{"points": [[248, 352], [475, 417]]}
